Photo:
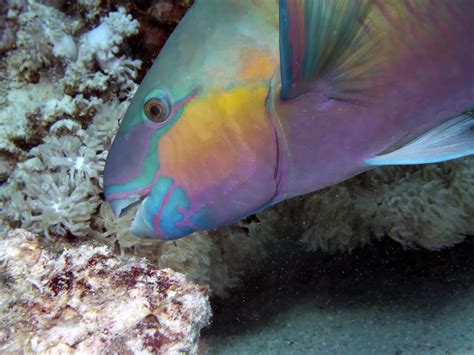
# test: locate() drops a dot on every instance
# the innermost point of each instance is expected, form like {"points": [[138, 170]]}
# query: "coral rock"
{"points": [[86, 300]]}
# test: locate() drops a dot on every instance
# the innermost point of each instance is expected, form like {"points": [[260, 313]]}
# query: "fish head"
{"points": [[196, 148]]}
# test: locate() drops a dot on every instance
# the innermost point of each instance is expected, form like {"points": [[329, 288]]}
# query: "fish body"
{"points": [[253, 102]]}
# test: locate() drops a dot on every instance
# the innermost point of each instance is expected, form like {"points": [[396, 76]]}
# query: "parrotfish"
{"points": [[250, 103]]}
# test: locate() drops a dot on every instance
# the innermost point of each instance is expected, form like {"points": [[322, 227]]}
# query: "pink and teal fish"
{"points": [[253, 102]]}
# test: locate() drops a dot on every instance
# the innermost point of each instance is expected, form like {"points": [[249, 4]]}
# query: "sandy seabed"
{"points": [[384, 300]]}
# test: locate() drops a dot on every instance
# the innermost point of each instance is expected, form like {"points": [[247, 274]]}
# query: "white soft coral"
{"points": [[101, 45], [60, 205], [43, 34], [68, 154]]}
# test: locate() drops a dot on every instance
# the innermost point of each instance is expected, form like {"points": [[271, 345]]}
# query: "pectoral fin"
{"points": [[450, 140]]}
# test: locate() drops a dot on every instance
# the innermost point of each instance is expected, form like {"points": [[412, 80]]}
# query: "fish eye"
{"points": [[157, 109]]}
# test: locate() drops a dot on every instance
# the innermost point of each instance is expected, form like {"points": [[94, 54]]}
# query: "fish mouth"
{"points": [[140, 226], [122, 206]]}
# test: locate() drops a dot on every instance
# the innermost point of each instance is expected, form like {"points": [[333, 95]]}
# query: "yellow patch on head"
{"points": [[222, 136]]}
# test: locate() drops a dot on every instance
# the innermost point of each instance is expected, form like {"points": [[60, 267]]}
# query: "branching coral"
{"points": [[43, 35], [51, 50], [99, 48]]}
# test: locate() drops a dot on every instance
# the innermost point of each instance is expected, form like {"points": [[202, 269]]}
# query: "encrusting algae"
{"points": [[85, 300]]}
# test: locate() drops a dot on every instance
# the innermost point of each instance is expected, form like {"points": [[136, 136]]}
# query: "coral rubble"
{"points": [[86, 300]]}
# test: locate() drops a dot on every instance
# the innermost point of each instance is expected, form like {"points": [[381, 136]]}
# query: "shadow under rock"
{"points": [[382, 274]]}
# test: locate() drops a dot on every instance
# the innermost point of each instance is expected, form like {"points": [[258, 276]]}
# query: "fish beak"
{"points": [[140, 226], [121, 205]]}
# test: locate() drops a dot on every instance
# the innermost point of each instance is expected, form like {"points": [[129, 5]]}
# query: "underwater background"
{"points": [[381, 263]]}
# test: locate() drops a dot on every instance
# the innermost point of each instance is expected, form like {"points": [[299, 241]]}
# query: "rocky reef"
{"points": [[67, 73], [84, 299]]}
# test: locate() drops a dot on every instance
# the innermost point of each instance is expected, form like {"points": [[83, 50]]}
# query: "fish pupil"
{"points": [[155, 110]]}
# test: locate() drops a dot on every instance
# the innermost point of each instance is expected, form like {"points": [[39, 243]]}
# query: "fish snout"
{"points": [[120, 206], [165, 213], [140, 226]]}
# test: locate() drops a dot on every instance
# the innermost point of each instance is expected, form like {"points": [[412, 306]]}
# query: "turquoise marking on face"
{"points": [[165, 207], [167, 211], [173, 213], [157, 196]]}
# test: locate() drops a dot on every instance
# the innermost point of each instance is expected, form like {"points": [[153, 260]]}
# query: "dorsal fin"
{"points": [[322, 39], [351, 46]]}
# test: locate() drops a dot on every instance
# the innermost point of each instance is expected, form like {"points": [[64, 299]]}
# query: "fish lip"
{"points": [[121, 206], [140, 226]]}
